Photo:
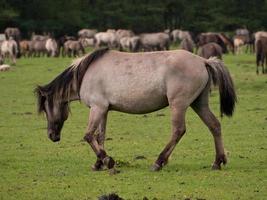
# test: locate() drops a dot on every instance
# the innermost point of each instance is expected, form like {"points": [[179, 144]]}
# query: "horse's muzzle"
{"points": [[54, 137]]}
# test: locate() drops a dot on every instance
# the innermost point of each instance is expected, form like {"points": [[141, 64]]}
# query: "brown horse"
{"points": [[261, 54], [218, 38], [211, 49], [138, 83]]}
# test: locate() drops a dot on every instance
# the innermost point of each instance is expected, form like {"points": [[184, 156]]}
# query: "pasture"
{"points": [[33, 167]]}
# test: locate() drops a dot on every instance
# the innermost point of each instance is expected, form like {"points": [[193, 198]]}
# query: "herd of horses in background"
{"points": [[206, 45]]}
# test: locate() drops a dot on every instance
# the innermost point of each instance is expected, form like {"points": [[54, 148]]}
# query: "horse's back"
{"points": [[142, 82]]}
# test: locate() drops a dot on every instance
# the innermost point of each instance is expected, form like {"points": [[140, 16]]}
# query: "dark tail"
{"points": [[221, 77]]}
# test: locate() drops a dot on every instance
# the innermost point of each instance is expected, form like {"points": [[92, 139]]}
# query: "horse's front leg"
{"points": [[101, 131], [97, 119]]}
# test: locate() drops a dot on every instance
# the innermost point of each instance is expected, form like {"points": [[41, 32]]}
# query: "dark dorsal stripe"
{"points": [[85, 63]]}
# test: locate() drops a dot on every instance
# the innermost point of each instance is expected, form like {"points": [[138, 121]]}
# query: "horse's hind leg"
{"points": [[97, 115], [178, 130], [201, 107]]}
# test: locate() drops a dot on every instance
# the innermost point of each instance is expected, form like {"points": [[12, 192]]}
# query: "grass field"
{"points": [[33, 167]]}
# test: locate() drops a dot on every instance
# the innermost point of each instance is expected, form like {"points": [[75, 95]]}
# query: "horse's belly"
{"points": [[138, 103]]}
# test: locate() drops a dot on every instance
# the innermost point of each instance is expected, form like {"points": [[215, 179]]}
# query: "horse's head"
{"points": [[56, 112]]}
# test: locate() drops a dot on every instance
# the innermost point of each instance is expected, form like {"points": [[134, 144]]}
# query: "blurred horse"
{"points": [[51, 47], [211, 49], [16, 35], [154, 41], [24, 47], [37, 48], [73, 48], [87, 33], [130, 43], [239, 41], [187, 45], [218, 38], [9, 49], [108, 38], [261, 54]]}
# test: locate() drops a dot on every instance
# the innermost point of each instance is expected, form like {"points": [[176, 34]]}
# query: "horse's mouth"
{"points": [[54, 137]]}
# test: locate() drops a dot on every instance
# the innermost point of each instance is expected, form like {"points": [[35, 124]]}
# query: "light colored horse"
{"points": [[106, 39], [138, 83], [39, 37], [37, 48], [130, 43], [120, 33], [239, 42], [259, 34], [9, 49], [178, 34], [73, 48], [154, 41], [87, 33], [51, 47], [4, 67], [187, 45], [87, 42]]}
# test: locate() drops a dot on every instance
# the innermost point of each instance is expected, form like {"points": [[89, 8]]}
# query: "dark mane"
{"points": [[70, 79]]}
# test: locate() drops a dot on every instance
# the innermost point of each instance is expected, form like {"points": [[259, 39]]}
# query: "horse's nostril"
{"points": [[54, 137]]}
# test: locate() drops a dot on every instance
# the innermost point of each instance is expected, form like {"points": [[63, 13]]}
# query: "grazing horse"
{"points": [[9, 48], [154, 41], [218, 38], [211, 49], [138, 83], [187, 45], [73, 47], [261, 54]]}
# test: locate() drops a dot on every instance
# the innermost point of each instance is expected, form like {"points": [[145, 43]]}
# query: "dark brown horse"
{"points": [[211, 49], [261, 54], [138, 83], [218, 38]]}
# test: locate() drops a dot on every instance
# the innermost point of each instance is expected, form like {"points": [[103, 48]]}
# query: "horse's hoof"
{"points": [[98, 166], [113, 171], [109, 162], [96, 169], [216, 167], [156, 168]]}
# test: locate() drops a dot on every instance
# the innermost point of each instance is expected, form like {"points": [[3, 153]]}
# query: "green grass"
{"points": [[32, 167]]}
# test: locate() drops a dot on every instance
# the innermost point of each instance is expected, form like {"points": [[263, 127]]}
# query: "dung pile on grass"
{"points": [[111, 196]]}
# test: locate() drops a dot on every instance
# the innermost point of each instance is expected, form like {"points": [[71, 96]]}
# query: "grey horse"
{"points": [[138, 83]]}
